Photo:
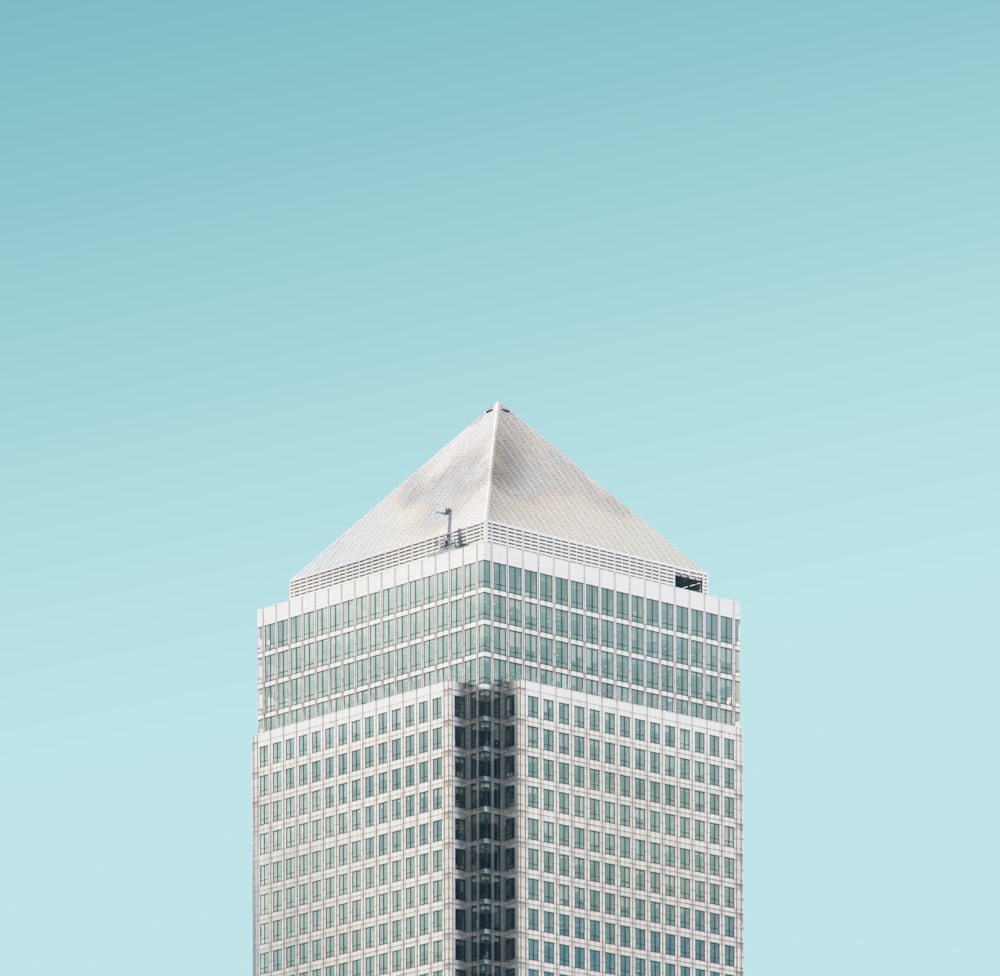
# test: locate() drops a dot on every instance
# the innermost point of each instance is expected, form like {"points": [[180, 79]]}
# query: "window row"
{"points": [[656, 762], [343, 823], [596, 961], [606, 602], [376, 783], [393, 930], [596, 841], [325, 949], [392, 600], [594, 809], [676, 887], [510, 580], [627, 726], [456, 641], [683, 858], [679, 916], [345, 884], [616, 667]]}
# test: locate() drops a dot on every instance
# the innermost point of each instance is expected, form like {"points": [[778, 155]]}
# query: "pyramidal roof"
{"points": [[498, 470]]}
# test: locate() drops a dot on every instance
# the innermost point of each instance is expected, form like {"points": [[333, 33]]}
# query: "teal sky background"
{"points": [[737, 261]]}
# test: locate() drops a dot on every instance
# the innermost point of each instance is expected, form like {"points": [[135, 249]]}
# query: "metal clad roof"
{"points": [[536, 487], [498, 470], [456, 477]]}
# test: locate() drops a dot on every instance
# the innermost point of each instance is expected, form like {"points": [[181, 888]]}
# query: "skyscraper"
{"points": [[499, 735]]}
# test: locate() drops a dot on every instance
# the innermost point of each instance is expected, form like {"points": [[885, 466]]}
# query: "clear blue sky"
{"points": [[739, 261]]}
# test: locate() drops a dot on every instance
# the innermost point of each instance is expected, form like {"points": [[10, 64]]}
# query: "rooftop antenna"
{"points": [[447, 538]]}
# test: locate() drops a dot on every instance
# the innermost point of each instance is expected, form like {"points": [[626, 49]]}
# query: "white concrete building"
{"points": [[499, 735]]}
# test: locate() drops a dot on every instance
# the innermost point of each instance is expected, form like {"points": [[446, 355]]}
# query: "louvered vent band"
{"points": [[504, 535]]}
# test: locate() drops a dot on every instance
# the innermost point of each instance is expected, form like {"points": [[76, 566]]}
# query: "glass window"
{"points": [[562, 592], [545, 592], [515, 580], [531, 583]]}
